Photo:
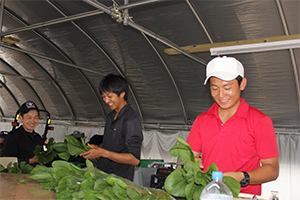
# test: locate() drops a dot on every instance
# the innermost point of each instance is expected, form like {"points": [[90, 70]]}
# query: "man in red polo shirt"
{"points": [[239, 138]]}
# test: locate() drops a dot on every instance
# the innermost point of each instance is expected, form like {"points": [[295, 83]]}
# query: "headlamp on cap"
{"points": [[224, 68]]}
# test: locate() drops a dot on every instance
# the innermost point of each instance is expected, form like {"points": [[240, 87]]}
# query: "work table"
{"points": [[11, 188]]}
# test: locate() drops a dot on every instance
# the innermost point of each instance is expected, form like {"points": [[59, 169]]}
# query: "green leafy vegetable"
{"points": [[75, 147], [60, 150], [190, 180], [22, 181], [53, 151], [22, 168], [71, 182]]}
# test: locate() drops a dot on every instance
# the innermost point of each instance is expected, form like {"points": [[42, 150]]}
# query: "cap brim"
{"points": [[225, 76]]}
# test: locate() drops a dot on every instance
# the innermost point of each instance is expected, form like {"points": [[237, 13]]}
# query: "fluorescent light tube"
{"points": [[257, 47]]}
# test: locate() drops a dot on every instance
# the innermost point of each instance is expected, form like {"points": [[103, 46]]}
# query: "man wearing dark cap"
{"points": [[22, 141], [237, 137]]}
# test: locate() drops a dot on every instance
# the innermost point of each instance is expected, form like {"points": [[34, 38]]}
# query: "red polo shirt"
{"points": [[239, 144]]}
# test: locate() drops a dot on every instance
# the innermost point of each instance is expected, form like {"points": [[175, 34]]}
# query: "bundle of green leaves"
{"points": [[190, 180], [60, 150], [76, 147], [22, 168], [72, 182]]}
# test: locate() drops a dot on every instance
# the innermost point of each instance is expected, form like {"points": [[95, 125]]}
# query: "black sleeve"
{"points": [[10, 146], [134, 136]]}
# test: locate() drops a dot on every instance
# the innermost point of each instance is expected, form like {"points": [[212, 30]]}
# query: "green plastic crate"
{"points": [[145, 162]]}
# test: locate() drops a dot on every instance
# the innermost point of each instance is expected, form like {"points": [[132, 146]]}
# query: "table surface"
{"points": [[11, 188]]}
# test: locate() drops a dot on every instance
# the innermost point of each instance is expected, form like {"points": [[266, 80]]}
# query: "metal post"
{"points": [[1, 15]]}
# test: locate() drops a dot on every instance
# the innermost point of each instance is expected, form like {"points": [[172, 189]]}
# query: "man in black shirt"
{"points": [[123, 137], [22, 141]]}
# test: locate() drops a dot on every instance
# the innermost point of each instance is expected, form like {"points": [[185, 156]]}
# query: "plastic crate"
{"points": [[145, 162]]}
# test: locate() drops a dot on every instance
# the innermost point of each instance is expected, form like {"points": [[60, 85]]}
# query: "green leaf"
{"points": [[62, 185], [108, 192], [2, 168], [122, 183], [49, 185], [90, 195], [27, 169], [233, 185], [183, 150], [102, 196], [120, 192], [38, 149], [61, 163], [74, 150], [76, 147], [73, 182], [66, 194], [60, 147], [189, 166], [175, 183], [202, 178], [90, 166], [42, 178], [211, 168], [197, 191], [41, 169], [189, 177], [22, 181], [189, 189], [79, 194], [112, 179], [87, 184], [22, 165], [64, 155], [100, 184], [50, 143], [133, 193]]}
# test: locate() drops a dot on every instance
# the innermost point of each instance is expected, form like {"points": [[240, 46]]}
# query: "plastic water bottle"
{"points": [[216, 189], [274, 195]]}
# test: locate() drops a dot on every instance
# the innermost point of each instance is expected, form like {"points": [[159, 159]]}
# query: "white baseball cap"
{"points": [[225, 68]]}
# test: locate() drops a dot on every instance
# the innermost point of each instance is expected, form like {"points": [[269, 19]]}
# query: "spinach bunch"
{"points": [[53, 151], [22, 168], [71, 182], [60, 150], [76, 147], [190, 180]]}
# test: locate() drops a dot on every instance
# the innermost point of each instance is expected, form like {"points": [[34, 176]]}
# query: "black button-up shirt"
{"points": [[21, 144], [123, 135]]}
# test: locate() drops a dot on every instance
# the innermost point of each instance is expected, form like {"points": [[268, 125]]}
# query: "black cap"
{"points": [[27, 106]]}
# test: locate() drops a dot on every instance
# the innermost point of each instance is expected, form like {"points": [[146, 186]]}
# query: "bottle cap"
{"points": [[217, 175]]}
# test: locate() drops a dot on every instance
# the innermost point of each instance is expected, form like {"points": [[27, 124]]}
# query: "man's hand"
{"points": [[94, 152], [33, 160], [238, 176], [197, 157]]}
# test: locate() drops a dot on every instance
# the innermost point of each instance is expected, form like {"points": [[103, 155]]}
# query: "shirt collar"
{"points": [[121, 111], [25, 132]]}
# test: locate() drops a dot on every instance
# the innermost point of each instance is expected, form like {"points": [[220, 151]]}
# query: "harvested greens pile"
{"points": [[72, 182], [190, 180]]}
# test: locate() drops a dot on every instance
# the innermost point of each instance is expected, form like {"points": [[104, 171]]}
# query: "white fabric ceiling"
{"points": [[65, 47]]}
